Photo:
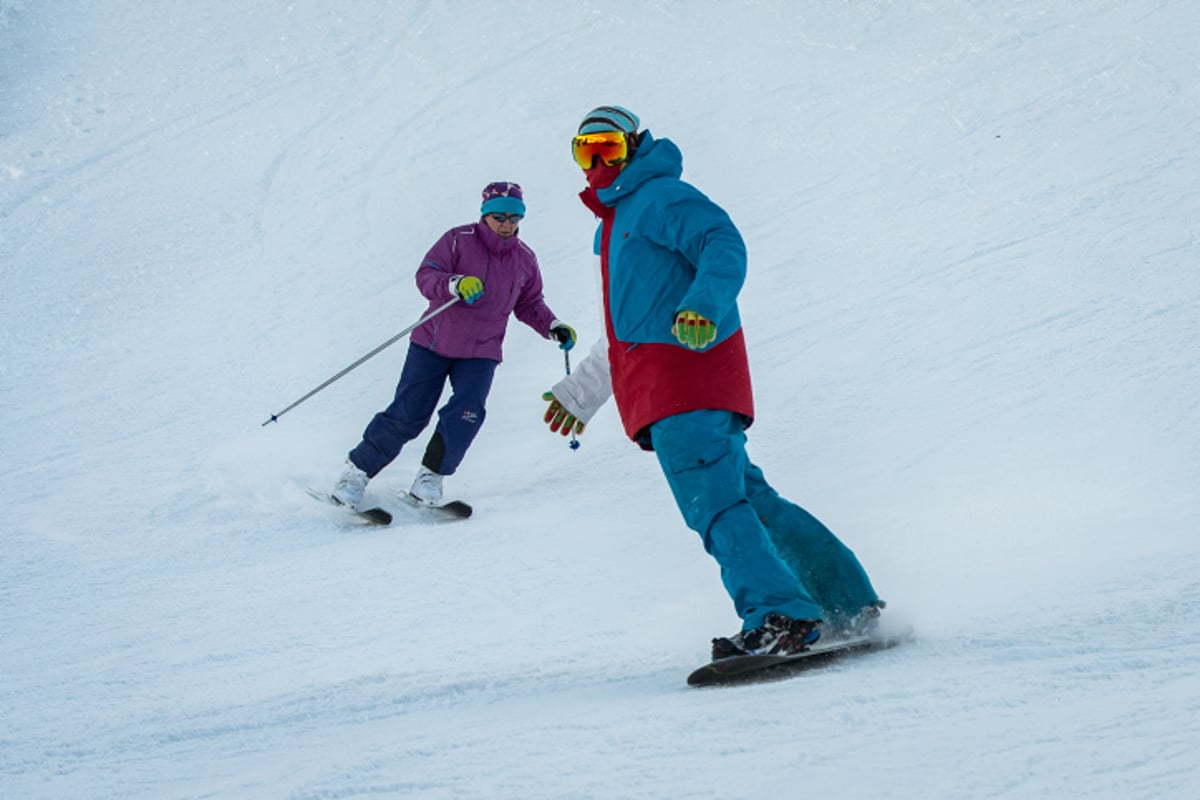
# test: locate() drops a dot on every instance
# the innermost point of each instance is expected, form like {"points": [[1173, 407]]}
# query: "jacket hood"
{"points": [[655, 158]]}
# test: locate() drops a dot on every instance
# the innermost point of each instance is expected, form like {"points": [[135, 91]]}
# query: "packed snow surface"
{"points": [[973, 312]]}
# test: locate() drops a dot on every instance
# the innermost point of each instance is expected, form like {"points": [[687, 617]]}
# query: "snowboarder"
{"points": [[495, 274], [674, 357]]}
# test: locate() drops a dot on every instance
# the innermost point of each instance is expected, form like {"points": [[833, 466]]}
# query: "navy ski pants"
{"points": [[774, 556], [421, 383]]}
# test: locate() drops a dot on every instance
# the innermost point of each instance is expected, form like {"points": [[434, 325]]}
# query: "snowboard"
{"points": [[754, 669], [372, 516]]}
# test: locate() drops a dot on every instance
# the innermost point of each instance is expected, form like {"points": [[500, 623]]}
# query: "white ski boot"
{"points": [[427, 487], [350, 487]]}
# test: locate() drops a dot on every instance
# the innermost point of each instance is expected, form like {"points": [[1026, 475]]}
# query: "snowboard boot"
{"points": [[778, 635], [427, 487], [348, 491]]}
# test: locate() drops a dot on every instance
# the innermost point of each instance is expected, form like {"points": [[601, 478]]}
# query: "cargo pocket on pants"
{"points": [[704, 479]]}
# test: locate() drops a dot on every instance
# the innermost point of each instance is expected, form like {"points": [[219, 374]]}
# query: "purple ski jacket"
{"points": [[512, 284]]}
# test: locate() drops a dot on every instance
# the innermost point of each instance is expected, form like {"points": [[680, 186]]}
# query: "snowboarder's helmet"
{"points": [[610, 118]]}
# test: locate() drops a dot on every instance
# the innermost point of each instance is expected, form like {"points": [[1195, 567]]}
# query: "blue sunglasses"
{"points": [[506, 217]]}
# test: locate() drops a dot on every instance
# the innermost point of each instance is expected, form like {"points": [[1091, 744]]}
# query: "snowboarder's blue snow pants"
{"points": [[420, 387], [773, 555]]}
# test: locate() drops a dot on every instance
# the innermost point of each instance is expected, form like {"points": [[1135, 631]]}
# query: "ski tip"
{"points": [[459, 509], [373, 515], [376, 516], [450, 510]]}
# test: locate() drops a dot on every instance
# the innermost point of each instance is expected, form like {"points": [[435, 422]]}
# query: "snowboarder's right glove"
{"points": [[693, 330], [468, 287], [559, 419]]}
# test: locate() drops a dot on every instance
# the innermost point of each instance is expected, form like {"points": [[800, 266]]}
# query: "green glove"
{"points": [[565, 335], [559, 419], [469, 288], [693, 330]]}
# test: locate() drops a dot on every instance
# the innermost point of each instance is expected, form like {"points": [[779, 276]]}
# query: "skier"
{"points": [[674, 357], [495, 274]]}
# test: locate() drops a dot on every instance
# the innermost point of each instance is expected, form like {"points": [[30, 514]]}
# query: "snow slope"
{"points": [[973, 314]]}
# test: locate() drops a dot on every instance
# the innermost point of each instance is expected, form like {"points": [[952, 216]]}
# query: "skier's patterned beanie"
{"points": [[502, 197], [610, 118]]}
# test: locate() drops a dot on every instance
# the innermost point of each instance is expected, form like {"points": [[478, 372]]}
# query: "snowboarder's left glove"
{"points": [[693, 330], [564, 333], [559, 418]]}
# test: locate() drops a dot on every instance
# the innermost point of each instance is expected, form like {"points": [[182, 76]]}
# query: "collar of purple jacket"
{"points": [[494, 241]]}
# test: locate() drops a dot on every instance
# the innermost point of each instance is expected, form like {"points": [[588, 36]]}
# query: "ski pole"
{"points": [[567, 363], [275, 417]]}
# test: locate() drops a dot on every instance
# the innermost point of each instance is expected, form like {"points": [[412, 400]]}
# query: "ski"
{"points": [[760, 668], [374, 515], [448, 511]]}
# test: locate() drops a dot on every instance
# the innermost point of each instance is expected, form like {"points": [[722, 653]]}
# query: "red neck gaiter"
{"points": [[601, 176]]}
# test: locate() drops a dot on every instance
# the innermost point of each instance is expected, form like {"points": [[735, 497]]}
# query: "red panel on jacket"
{"points": [[651, 381]]}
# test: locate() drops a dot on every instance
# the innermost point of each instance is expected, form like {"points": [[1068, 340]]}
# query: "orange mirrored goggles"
{"points": [[611, 147]]}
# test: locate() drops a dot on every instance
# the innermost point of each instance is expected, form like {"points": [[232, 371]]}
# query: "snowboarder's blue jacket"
{"points": [[672, 249]]}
